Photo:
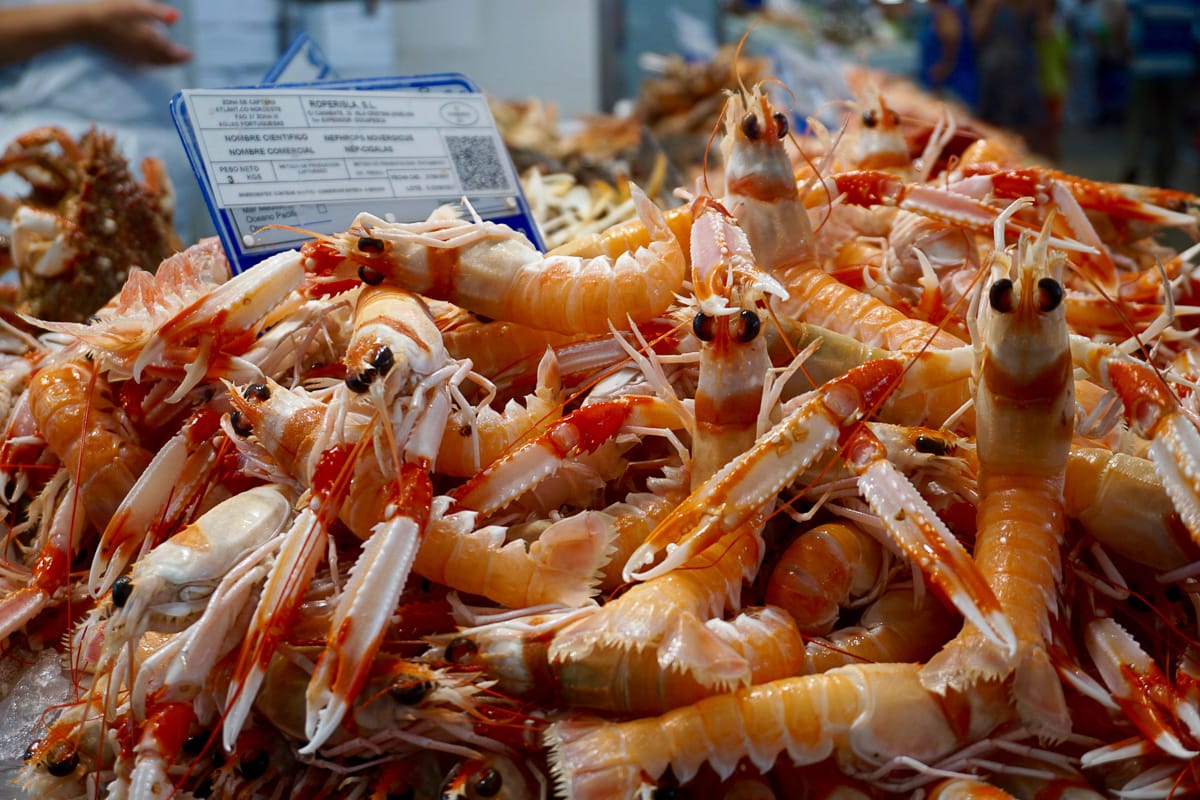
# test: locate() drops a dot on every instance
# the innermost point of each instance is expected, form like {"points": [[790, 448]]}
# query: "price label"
{"points": [[273, 159]]}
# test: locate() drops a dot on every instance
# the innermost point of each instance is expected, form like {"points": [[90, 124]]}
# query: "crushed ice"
{"points": [[29, 684]]}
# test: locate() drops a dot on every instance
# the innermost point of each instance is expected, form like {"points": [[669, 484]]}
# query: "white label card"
{"points": [[314, 158]]}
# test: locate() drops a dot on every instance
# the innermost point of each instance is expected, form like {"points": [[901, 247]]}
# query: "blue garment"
{"points": [[1008, 93], [963, 80], [1162, 37]]}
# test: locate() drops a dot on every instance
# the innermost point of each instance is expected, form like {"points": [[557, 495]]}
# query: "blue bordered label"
{"points": [[302, 62], [274, 159]]}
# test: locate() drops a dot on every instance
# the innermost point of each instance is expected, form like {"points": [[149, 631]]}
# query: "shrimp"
{"points": [[820, 299], [897, 627], [181, 669], [407, 706], [562, 565], [867, 715], [1164, 715], [396, 351], [631, 520], [1122, 504], [473, 440], [820, 571], [730, 290], [494, 776], [294, 430], [623, 680], [1154, 412], [171, 487], [394, 340], [579, 433], [878, 141], [760, 192], [73, 408], [169, 588], [760, 185], [491, 270], [59, 762], [181, 325], [1025, 411], [741, 490], [667, 613]]}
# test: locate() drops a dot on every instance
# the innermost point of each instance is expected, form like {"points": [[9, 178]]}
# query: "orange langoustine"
{"points": [[450, 576]]}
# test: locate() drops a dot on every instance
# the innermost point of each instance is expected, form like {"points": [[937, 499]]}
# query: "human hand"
{"points": [[134, 30]]}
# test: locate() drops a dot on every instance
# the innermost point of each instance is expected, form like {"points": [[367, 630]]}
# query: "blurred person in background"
{"points": [[111, 63], [1005, 32], [1162, 66], [1112, 61], [1054, 58], [1083, 23], [947, 53]]}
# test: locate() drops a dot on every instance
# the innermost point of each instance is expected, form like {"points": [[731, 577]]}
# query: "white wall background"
{"points": [[513, 49], [549, 49]]}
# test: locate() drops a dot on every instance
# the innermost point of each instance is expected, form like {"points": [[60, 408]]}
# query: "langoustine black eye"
{"points": [[750, 326], [489, 783], [702, 326], [1000, 296], [121, 589], [61, 767], [257, 391], [460, 650], [369, 276], [360, 382], [369, 244], [239, 424], [932, 445], [1050, 294], [410, 693], [869, 118], [751, 126], [382, 360], [781, 124]]}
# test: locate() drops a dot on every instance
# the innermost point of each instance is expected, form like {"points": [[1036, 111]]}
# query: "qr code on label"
{"points": [[478, 163]]}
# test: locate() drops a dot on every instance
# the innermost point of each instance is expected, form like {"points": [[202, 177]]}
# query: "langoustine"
{"points": [[346, 416]]}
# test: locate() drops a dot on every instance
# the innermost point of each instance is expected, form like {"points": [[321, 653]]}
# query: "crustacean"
{"points": [[418, 509], [86, 221]]}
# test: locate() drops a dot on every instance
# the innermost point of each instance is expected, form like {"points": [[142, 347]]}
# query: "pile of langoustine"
{"points": [[851, 478]]}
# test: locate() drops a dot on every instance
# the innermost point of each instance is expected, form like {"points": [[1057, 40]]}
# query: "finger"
{"points": [[163, 12], [158, 49]]}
